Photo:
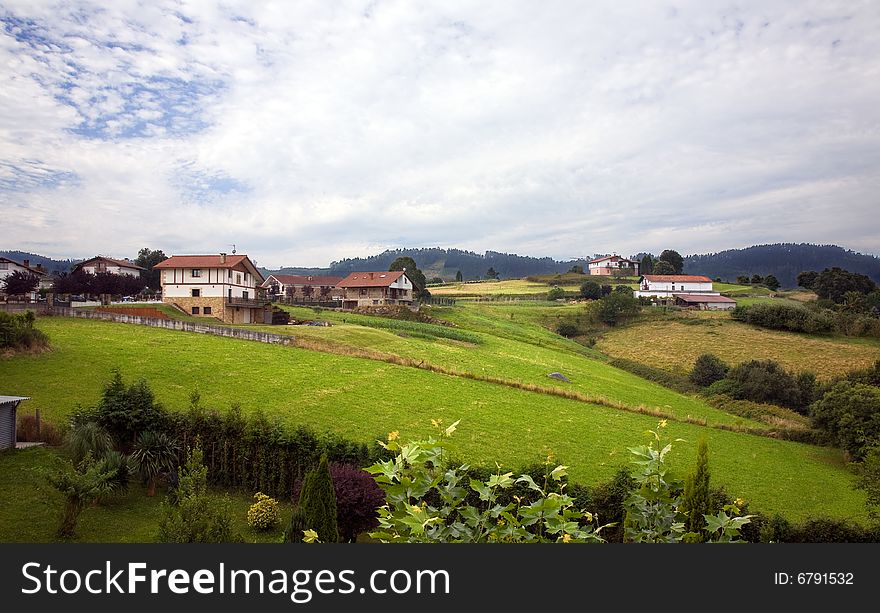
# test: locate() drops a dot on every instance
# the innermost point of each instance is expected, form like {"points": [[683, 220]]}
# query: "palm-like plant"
{"points": [[154, 453], [88, 437]]}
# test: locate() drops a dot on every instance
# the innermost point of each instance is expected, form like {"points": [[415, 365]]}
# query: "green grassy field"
{"points": [[363, 399], [675, 345]]}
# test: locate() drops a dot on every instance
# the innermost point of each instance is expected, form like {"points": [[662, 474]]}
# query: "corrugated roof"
{"points": [[306, 280], [704, 298], [370, 279], [677, 278]]}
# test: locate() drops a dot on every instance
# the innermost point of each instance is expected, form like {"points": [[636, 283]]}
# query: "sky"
{"points": [[307, 132]]}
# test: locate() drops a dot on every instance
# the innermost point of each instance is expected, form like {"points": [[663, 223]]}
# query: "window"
{"points": [[238, 279], [244, 295], [207, 311], [195, 310], [196, 293], [197, 272], [4, 265], [230, 274]]}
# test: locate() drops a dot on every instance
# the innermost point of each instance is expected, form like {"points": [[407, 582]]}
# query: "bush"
{"points": [[126, 411], [850, 412], [590, 290], [26, 430], [357, 500], [707, 370], [296, 527], [667, 379], [617, 307], [567, 330], [263, 514], [767, 381], [556, 293], [726, 387], [17, 331]]}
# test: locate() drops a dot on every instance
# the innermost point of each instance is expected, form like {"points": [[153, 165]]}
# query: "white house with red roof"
{"points": [[223, 286], [7, 267], [613, 265], [376, 288], [693, 291], [302, 287], [101, 263]]}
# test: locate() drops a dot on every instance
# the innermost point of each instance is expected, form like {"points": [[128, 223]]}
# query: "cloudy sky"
{"points": [[306, 132]]}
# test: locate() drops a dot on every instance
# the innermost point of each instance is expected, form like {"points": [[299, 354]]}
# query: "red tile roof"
{"points": [[678, 278], [370, 279], [33, 270], [306, 280], [704, 298], [111, 261], [201, 261]]}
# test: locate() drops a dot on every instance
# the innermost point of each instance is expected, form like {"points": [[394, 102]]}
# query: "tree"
{"points": [[697, 501], [757, 280], [771, 282], [80, 485], [415, 275], [850, 412], [707, 370], [834, 283], [556, 293], [154, 453], [662, 267], [646, 267], [296, 527], [674, 258], [491, 274], [20, 283], [148, 259], [458, 276], [578, 270], [869, 481], [357, 498], [317, 499], [807, 278], [743, 280], [617, 306], [126, 411], [590, 290]]}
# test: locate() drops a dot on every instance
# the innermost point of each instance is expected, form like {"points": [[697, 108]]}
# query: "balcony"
{"points": [[251, 303]]}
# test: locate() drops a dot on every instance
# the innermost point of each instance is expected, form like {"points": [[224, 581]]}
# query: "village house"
{"points": [[8, 267], [375, 288], [691, 291], [99, 264], [302, 287], [613, 265], [223, 286]]}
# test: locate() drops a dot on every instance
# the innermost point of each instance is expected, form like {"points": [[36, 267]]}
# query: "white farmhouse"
{"points": [[100, 264], [613, 265], [222, 286], [7, 267], [689, 291]]}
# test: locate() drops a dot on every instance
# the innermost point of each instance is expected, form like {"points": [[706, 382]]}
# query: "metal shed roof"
{"points": [[9, 399]]}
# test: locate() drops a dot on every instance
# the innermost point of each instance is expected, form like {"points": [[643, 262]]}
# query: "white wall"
{"points": [[218, 286]]}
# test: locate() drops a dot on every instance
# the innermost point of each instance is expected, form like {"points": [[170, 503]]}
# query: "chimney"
{"points": [[222, 258], [27, 263], [371, 275]]}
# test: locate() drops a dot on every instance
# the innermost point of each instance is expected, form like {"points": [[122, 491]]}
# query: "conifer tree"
{"points": [[697, 498], [318, 502]]}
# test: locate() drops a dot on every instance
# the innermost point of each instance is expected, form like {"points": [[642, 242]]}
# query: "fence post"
{"points": [[38, 423]]}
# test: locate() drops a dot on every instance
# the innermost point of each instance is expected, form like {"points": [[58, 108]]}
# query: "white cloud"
{"points": [[310, 132]]}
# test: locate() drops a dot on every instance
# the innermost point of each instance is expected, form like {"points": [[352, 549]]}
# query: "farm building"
{"points": [[302, 287], [613, 265], [99, 264], [705, 302], [375, 288], [222, 286], [666, 286], [8, 406]]}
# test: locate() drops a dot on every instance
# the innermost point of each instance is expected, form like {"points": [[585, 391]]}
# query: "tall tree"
{"points": [[415, 275], [148, 259], [646, 267], [491, 274], [662, 267], [697, 497], [458, 276], [771, 282], [834, 283], [317, 499], [674, 258]]}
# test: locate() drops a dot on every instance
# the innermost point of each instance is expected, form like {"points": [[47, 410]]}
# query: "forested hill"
{"points": [[49, 264], [445, 263], [784, 261]]}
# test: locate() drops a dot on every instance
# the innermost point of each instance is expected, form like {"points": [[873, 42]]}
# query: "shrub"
{"points": [[126, 411], [317, 499], [590, 290], [154, 453], [617, 307], [850, 412], [17, 331], [80, 484], [296, 527], [26, 430], [357, 500], [556, 293], [567, 329], [767, 381], [726, 387], [707, 370], [263, 514], [697, 501]]}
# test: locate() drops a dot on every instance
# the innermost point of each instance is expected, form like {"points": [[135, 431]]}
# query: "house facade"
{"points": [[613, 265], [666, 286], [226, 287], [302, 287], [99, 264], [8, 267], [375, 288]]}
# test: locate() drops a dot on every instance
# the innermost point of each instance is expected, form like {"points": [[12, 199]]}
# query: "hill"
{"points": [[782, 260], [49, 264]]}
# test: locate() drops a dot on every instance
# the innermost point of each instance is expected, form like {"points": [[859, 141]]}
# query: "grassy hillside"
{"points": [[363, 399], [674, 345]]}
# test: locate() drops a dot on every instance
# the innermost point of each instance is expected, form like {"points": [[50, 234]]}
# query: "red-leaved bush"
{"points": [[357, 498]]}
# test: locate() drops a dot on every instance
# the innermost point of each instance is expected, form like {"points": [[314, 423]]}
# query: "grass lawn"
{"points": [[733, 290], [363, 399], [30, 508], [491, 288], [675, 345]]}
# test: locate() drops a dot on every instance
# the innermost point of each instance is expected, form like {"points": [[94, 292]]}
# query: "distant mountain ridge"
{"points": [[782, 260], [50, 265]]}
